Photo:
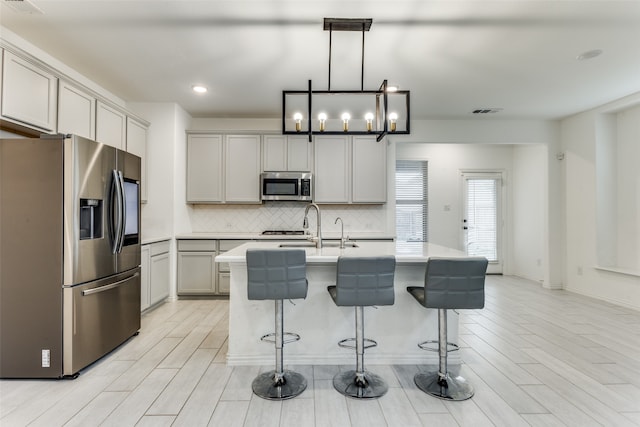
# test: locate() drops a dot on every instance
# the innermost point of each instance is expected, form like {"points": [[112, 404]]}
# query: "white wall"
{"points": [[529, 180], [581, 136]]}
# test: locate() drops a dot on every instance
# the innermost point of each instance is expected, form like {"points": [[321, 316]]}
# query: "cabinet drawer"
{"points": [[159, 248], [226, 245], [197, 245], [224, 281]]}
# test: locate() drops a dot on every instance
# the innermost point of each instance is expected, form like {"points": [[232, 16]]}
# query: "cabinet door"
{"points": [[196, 273], [299, 151], [144, 278], [369, 170], [76, 111], [29, 93], [159, 283], [242, 168], [274, 153], [331, 179], [204, 169], [111, 126], [137, 144]]}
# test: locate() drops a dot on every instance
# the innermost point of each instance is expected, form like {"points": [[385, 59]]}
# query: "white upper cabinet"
{"points": [[111, 126], [223, 168], [332, 169], [369, 170], [29, 93], [76, 111], [242, 169], [274, 153], [205, 168], [137, 144], [350, 170], [286, 153]]}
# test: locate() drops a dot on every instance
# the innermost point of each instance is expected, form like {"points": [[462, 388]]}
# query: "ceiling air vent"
{"points": [[486, 110], [22, 6]]}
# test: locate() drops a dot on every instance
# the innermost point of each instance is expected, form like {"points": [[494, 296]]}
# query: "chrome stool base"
{"points": [[291, 385], [444, 387], [361, 386]]}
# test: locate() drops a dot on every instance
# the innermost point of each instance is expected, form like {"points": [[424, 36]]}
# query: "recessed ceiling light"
{"points": [[590, 54], [199, 89]]}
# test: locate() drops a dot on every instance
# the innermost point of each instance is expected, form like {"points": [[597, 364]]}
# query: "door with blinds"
{"points": [[482, 218]]}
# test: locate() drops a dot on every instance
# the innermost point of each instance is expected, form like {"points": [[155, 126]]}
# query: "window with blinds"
{"points": [[411, 201], [482, 216]]}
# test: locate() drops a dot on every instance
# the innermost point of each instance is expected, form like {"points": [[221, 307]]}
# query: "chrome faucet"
{"points": [[342, 239], [305, 223]]}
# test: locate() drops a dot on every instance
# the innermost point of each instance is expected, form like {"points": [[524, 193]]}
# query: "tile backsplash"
{"points": [[286, 216]]}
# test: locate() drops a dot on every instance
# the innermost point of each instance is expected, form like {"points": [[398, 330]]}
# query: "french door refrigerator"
{"points": [[69, 254]]}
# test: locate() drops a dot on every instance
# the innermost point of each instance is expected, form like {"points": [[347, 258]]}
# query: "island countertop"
{"points": [[405, 252]]}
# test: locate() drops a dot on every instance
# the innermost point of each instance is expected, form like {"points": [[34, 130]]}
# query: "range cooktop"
{"points": [[283, 233]]}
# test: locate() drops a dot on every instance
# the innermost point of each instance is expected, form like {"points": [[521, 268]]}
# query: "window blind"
{"points": [[411, 201]]}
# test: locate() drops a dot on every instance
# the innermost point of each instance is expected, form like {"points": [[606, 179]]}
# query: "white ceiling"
{"points": [[454, 56]]}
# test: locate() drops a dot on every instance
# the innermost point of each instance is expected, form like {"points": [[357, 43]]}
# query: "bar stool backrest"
{"points": [[365, 281], [276, 274], [455, 283]]}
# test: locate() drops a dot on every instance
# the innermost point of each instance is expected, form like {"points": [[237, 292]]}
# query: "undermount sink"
{"points": [[325, 244]]}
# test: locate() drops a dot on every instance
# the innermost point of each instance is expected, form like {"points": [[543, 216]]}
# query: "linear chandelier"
{"points": [[353, 112]]}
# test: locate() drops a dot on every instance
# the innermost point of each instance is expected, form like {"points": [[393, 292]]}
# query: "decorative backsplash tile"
{"points": [[286, 216]]}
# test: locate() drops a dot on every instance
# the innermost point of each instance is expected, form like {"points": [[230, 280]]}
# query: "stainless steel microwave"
{"points": [[296, 186]]}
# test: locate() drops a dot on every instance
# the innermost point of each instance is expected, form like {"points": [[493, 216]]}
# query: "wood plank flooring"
{"points": [[535, 357]]}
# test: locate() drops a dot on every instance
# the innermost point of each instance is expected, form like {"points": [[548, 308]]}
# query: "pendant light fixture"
{"points": [[338, 112]]}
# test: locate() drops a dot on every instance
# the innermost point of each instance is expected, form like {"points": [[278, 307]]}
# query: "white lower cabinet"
{"points": [[198, 273], [155, 274]]}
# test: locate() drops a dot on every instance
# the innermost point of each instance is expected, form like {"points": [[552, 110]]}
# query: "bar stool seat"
{"points": [[360, 282], [449, 283], [277, 274]]}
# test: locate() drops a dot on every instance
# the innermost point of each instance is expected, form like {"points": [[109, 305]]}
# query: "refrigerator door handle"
{"points": [[116, 209], [123, 211], [108, 287]]}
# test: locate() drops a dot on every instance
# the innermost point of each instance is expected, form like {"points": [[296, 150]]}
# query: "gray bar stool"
{"points": [[360, 282], [277, 274], [449, 283]]}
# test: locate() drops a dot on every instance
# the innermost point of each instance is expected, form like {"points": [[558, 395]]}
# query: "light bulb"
{"points": [[345, 121], [322, 118], [393, 118], [369, 118], [298, 118]]}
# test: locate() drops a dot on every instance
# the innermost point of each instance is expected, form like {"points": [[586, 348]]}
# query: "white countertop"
{"points": [[412, 252], [258, 235]]}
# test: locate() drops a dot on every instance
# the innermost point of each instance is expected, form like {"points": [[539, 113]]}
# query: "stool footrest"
{"points": [[368, 343], [426, 345], [272, 337]]}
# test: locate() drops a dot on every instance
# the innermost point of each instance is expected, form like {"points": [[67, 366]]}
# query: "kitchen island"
{"points": [[321, 324]]}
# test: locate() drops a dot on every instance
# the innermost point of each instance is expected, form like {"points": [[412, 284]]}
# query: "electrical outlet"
{"points": [[46, 358], [579, 270]]}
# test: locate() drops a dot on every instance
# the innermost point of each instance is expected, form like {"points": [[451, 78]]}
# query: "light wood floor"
{"points": [[535, 357]]}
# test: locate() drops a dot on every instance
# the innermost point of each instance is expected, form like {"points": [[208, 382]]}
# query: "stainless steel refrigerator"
{"points": [[69, 254]]}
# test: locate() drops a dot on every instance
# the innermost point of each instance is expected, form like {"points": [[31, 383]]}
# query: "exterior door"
{"points": [[482, 217]]}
